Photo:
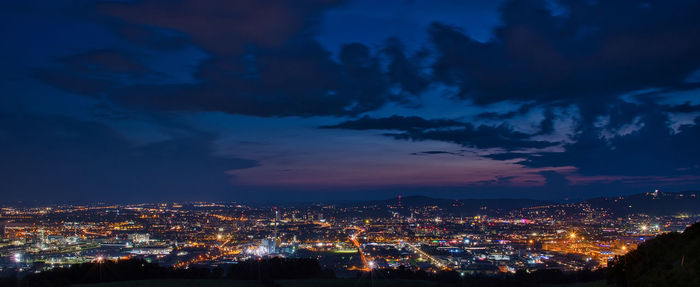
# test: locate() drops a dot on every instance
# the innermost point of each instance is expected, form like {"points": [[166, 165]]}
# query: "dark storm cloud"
{"points": [[478, 136], [499, 180], [434, 152], [225, 27], [547, 124], [523, 109], [653, 150], [554, 180], [58, 158], [297, 80], [264, 62], [508, 155], [466, 134], [407, 72], [152, 37], [107, 61], [395, 123], [686, 107], [95, 72], [633, 139], [590, 54]]}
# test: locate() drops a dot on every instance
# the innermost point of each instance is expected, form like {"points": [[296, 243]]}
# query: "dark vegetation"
{"points": [[521, 278], [671, 259], [278, 268], [269, 270], [135, 269]]}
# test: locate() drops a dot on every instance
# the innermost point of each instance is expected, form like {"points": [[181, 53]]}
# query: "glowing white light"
{"points": [[18, 257], [371, 264]]}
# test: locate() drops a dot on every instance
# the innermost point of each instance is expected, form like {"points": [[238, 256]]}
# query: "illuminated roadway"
{"points": [[353, 238], [432, 259]]}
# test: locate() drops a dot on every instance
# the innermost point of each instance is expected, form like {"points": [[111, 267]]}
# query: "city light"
{"points": [[351, 238]]}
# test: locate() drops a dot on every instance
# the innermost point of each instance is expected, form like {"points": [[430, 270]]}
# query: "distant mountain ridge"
{"points": [[650, 203], [463, 207]]}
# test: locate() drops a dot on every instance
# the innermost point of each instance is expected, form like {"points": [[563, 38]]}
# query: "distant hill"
{"points": [[278, 283], [459, 207], [651, 203], [495, 203]]}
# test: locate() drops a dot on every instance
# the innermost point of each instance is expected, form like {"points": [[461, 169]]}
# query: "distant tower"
{"points": [[43, 239], [276, 221], [399, 200], [274, 236]]}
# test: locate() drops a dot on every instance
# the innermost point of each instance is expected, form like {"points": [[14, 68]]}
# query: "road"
{"points": [[432, 259], [365, 262]]}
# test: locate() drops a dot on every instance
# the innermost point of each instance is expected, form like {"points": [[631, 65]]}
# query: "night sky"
{"points": [[259, 100]]}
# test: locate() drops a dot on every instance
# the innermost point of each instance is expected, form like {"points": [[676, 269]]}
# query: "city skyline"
{"points": [[353, 242], [314, 100]]}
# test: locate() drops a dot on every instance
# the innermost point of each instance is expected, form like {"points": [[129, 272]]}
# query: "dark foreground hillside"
{"points": [[278, 272], [671, 259], [278, 283]]}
